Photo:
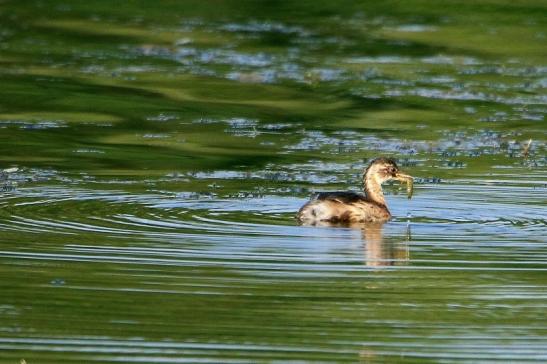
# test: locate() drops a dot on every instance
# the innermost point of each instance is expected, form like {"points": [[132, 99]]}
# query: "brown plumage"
{"points": [[350, 207]]}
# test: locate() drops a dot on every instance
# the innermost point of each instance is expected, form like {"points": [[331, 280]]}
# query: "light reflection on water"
{"points": [[201, 255], [215, 228]]}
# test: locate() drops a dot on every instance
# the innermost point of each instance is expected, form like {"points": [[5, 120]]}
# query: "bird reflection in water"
{"points": [[378, 251]]}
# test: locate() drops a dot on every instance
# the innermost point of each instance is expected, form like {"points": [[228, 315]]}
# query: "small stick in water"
{"points": [[527, 148]]}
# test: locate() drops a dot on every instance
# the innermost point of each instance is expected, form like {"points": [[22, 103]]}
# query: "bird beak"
{"points": [[399, 176]]}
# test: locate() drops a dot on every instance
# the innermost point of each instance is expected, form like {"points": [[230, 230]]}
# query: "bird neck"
{"points": [[373, 190]]}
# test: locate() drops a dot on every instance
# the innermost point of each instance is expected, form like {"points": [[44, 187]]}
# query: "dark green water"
{"points": [[164, 147]]}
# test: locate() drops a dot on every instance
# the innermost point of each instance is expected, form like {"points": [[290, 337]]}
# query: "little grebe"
{"points": [[350, 207]]}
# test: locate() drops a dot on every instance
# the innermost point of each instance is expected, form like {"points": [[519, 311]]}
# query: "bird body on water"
{"points": [[351, 207]]}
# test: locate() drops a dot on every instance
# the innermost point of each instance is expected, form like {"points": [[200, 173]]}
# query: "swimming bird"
{"points": [[351, 207]]}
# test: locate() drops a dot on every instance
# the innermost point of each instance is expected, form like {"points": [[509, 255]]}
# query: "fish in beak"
{"points": [[400, 176]]}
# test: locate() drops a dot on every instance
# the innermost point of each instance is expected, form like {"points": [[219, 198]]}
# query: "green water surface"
{"points": [[163, 148]]}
